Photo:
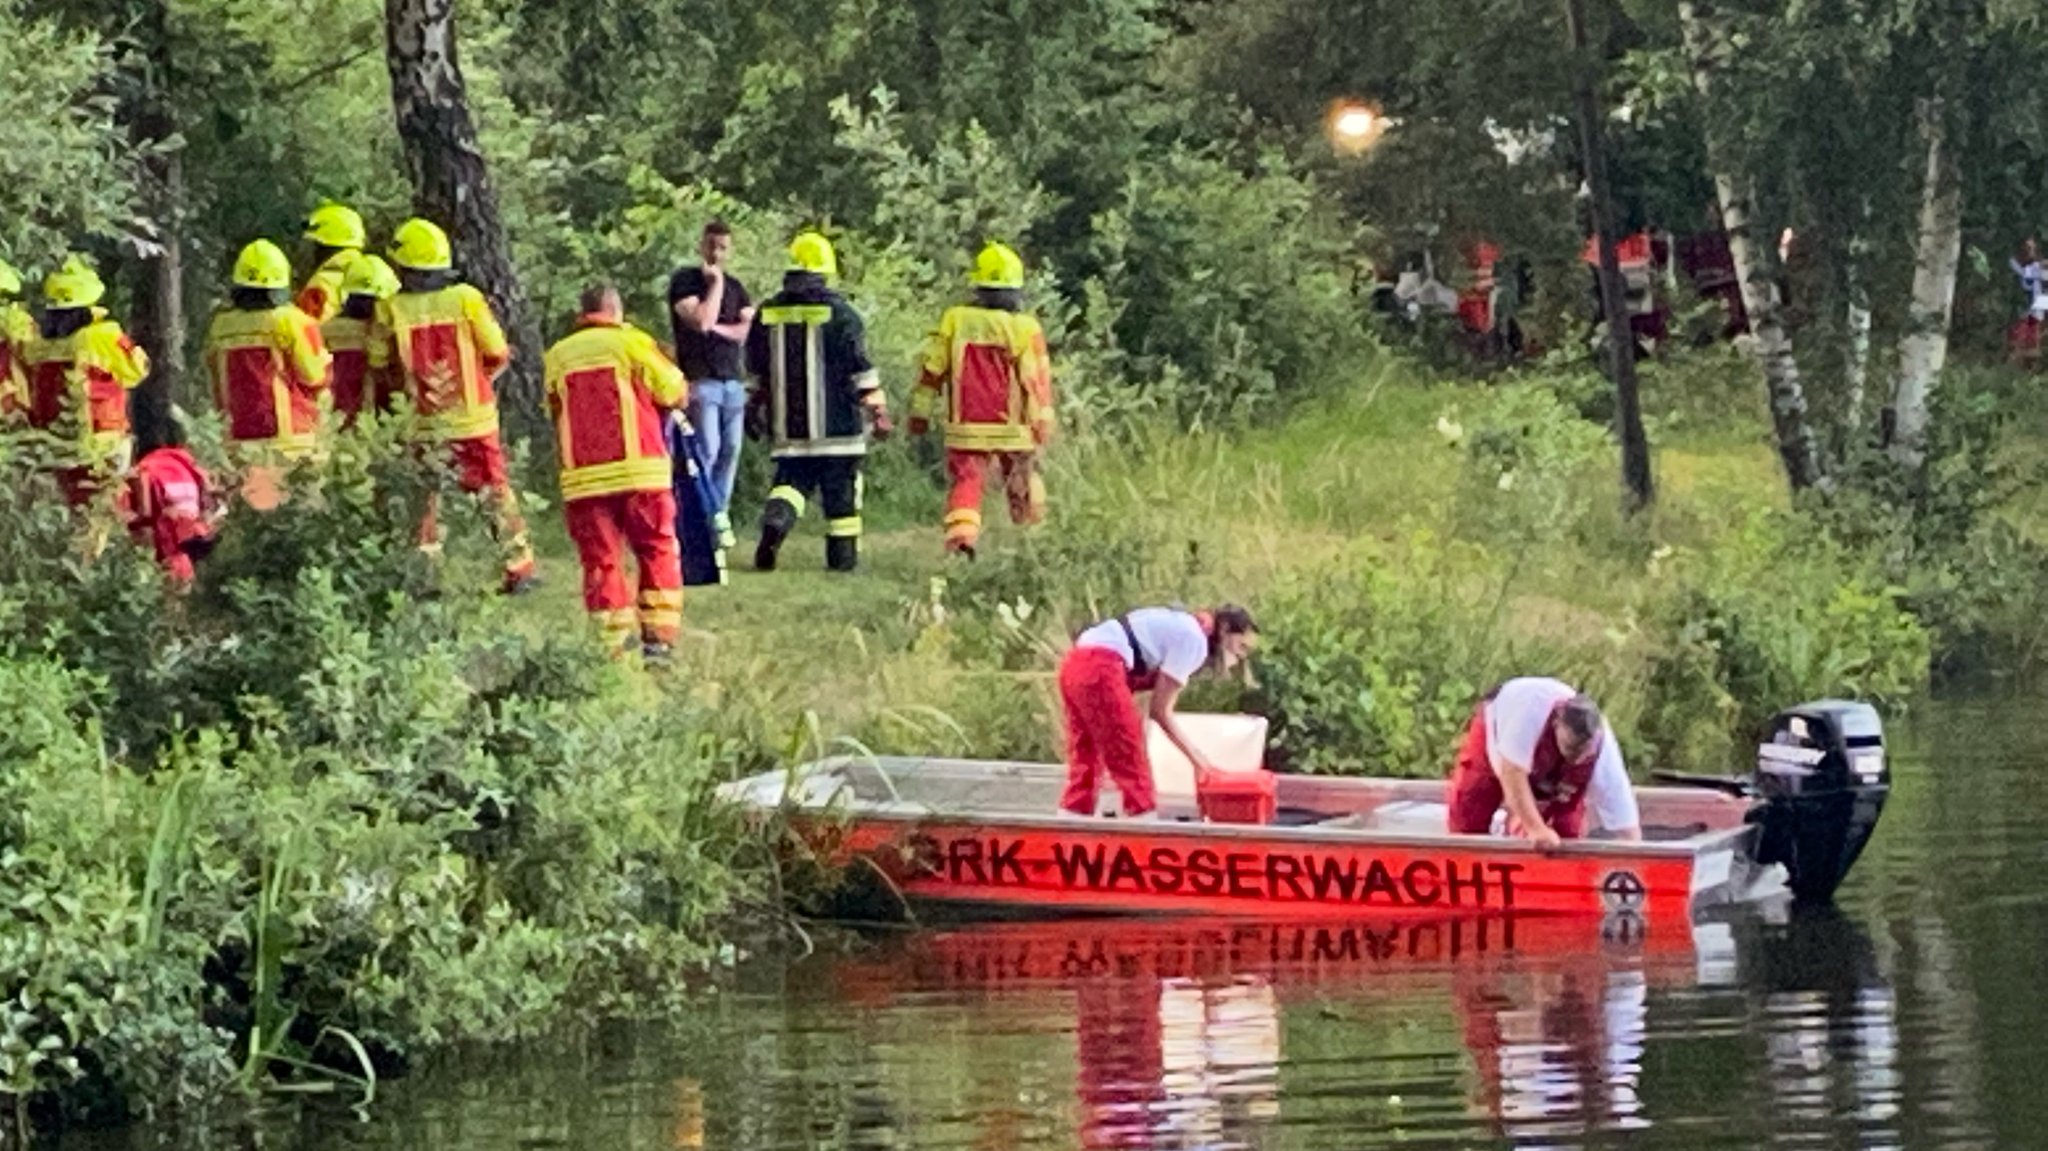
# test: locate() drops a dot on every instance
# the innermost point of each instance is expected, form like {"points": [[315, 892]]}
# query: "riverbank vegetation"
{"points": [[337, 807]]}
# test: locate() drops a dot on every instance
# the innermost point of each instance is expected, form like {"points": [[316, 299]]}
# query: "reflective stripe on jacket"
{"points": [[810, 355], [994, 376], [447, 348], [607, 386], [348, 341], [268, 368]]}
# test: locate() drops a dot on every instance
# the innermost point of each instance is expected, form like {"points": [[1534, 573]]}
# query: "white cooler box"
{"points": [[1231, 742]]}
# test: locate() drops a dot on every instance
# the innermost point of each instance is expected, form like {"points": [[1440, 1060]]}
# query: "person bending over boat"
{"points": [[1542, 750], [1154, 650]]}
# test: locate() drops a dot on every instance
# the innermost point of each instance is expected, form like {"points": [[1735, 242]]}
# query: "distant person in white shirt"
{"points": [[2024, 340], [1156, 650], [1542, 750]]}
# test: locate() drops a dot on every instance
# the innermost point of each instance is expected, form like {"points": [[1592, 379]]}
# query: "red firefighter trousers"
{"points": [[1104, 732], [604, 528], [1476, 793], [479, 467], [1022, 484]]}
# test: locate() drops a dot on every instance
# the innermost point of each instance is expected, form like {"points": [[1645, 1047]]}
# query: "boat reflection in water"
{"points": [[1180, 1026]]}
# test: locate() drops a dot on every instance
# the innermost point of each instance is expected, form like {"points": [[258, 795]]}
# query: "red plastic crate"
{"points": [[1239, 797]]}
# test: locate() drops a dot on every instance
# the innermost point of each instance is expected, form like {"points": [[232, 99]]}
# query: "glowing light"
{"points": [[1356, 123], [1355, 126]]}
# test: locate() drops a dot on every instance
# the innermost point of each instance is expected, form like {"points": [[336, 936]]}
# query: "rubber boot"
{"points": [[777, 519], [842, 553]]}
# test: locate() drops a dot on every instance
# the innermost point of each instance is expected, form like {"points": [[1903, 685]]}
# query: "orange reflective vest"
{"points": [[349, 381], [607, 384], [16, 330], [446, 347], [321, 297], [993, 373], [268, 368], [86, 376]]}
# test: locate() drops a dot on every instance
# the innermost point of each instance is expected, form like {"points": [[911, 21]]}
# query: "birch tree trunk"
{"points": [[452, 187], [1798, 447], [1937, 257], [1856, 345]]}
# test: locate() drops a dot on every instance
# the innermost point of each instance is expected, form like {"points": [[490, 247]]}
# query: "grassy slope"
{"points": [[1345, 483]]}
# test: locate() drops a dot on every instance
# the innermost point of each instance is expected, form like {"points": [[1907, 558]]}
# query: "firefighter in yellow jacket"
{"points": [[268, 366], [352, 386], [337, 235], [81, 367], [17, 328], [611, 392], [987, 377], [444, 348]]}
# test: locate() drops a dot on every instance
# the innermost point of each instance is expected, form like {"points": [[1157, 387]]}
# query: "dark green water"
{"points": [[1910, 1016]]}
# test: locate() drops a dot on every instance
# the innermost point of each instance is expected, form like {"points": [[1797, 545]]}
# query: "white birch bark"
{"points": [[1798, 447], [1937, 257]]}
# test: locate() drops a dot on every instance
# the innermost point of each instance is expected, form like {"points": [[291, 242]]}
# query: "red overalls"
{"points": [[167, 509], [1560, 787], [1105, 732]]}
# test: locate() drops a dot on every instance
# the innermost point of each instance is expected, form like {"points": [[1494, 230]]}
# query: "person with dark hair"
{"points": [[712, 315], [445, 349], [171, 507], [1540, 749], [986, 377], [81, 367], [268, 366], [1154, 651], [611, 393]]}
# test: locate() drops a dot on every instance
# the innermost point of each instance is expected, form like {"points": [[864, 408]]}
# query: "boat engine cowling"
{"points": [[1822, 779]]}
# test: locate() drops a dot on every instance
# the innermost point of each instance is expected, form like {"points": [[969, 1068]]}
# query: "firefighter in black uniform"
{"points": [[819, 396]]}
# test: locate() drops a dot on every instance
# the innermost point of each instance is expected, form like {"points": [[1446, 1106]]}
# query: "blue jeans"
{"points": [[719, 409]]}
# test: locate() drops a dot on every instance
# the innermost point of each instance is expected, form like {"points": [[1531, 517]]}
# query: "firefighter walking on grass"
{"points": [[438, 337], [820, 396], [987, 377], [612, 393], [268, 366]]}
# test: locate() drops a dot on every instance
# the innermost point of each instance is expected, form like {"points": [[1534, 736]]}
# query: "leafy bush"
{"points": [[1774, 616], [330, 806]]}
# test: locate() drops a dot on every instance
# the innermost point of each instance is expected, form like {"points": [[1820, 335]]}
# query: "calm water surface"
{"points": [[1910, 1016]]}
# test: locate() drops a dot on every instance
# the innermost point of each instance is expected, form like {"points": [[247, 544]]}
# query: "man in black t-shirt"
{"points": [[712, 314]]}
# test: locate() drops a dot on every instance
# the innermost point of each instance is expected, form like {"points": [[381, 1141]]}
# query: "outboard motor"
{"points": [[1821, 779]]}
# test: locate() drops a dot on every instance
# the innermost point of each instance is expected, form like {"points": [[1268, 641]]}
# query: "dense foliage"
{"points": [[331, 808]]}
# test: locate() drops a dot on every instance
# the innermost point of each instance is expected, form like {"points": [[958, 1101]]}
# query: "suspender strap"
{"points": [[1140, 666]]}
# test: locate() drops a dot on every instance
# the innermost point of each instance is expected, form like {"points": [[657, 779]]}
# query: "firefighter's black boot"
{"points": [[777, 519], [842, 553]]}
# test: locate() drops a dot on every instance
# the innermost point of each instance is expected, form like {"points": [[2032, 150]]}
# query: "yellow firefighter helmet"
{"points": [[812, 252], [422, 246], [75, 285], [370, 276], [336, 226], [262, 264], [998, 267]]}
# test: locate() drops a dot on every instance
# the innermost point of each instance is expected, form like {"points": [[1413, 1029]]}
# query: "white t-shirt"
{"points": [[1175, 645], [1515, 720]]}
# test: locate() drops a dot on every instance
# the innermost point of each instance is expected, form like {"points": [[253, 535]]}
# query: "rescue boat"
{"points": [[976, 837]]}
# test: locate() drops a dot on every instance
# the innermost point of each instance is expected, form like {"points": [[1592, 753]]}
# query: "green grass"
{"points": [[1346, 482]]}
